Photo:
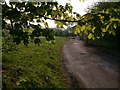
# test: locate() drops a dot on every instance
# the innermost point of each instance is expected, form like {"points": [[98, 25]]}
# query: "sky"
{"points": [[78, 6]]}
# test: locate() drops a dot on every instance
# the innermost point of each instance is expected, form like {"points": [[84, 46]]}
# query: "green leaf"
{"points": [[76, 29], [104, 30], [83, 27], [93, 29], [91, 36], [115, 25]]}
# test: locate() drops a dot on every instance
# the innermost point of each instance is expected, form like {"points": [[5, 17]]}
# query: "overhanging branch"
{"points": [[63, 20], [59, 20]]}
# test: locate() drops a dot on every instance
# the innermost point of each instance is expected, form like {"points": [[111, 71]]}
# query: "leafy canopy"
{"points": [[23, 15], [102, 19]]}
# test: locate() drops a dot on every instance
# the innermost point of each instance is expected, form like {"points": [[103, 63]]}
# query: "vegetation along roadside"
{"points": [[34, 66]]}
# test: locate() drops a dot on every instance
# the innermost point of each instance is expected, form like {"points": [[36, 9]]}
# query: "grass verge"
{"points": [[33, 66]]}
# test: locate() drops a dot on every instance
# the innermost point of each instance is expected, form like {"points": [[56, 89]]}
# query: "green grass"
{"points": [[33, 66]]}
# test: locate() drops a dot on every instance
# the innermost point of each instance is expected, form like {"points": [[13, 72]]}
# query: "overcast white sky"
{"points": [[78, 6]]}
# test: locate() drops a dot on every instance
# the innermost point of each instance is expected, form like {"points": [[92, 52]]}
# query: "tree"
{"points": [[102, 19], [113, 10], [22, 15]]}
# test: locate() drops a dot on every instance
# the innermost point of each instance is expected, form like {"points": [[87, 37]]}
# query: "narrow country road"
{"points": [[90, 67]]}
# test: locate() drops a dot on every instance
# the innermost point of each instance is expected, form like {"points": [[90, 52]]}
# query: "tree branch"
{"points": [[59, 20], [63, 20]]}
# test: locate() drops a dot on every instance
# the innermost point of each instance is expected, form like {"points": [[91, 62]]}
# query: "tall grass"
{"points": [[33, 66]]}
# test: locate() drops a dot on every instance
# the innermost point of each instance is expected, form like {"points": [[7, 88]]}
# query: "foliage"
{"points": [[102, 21], [7, 42], [23, 15], [76, 29], [33, 66]]}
